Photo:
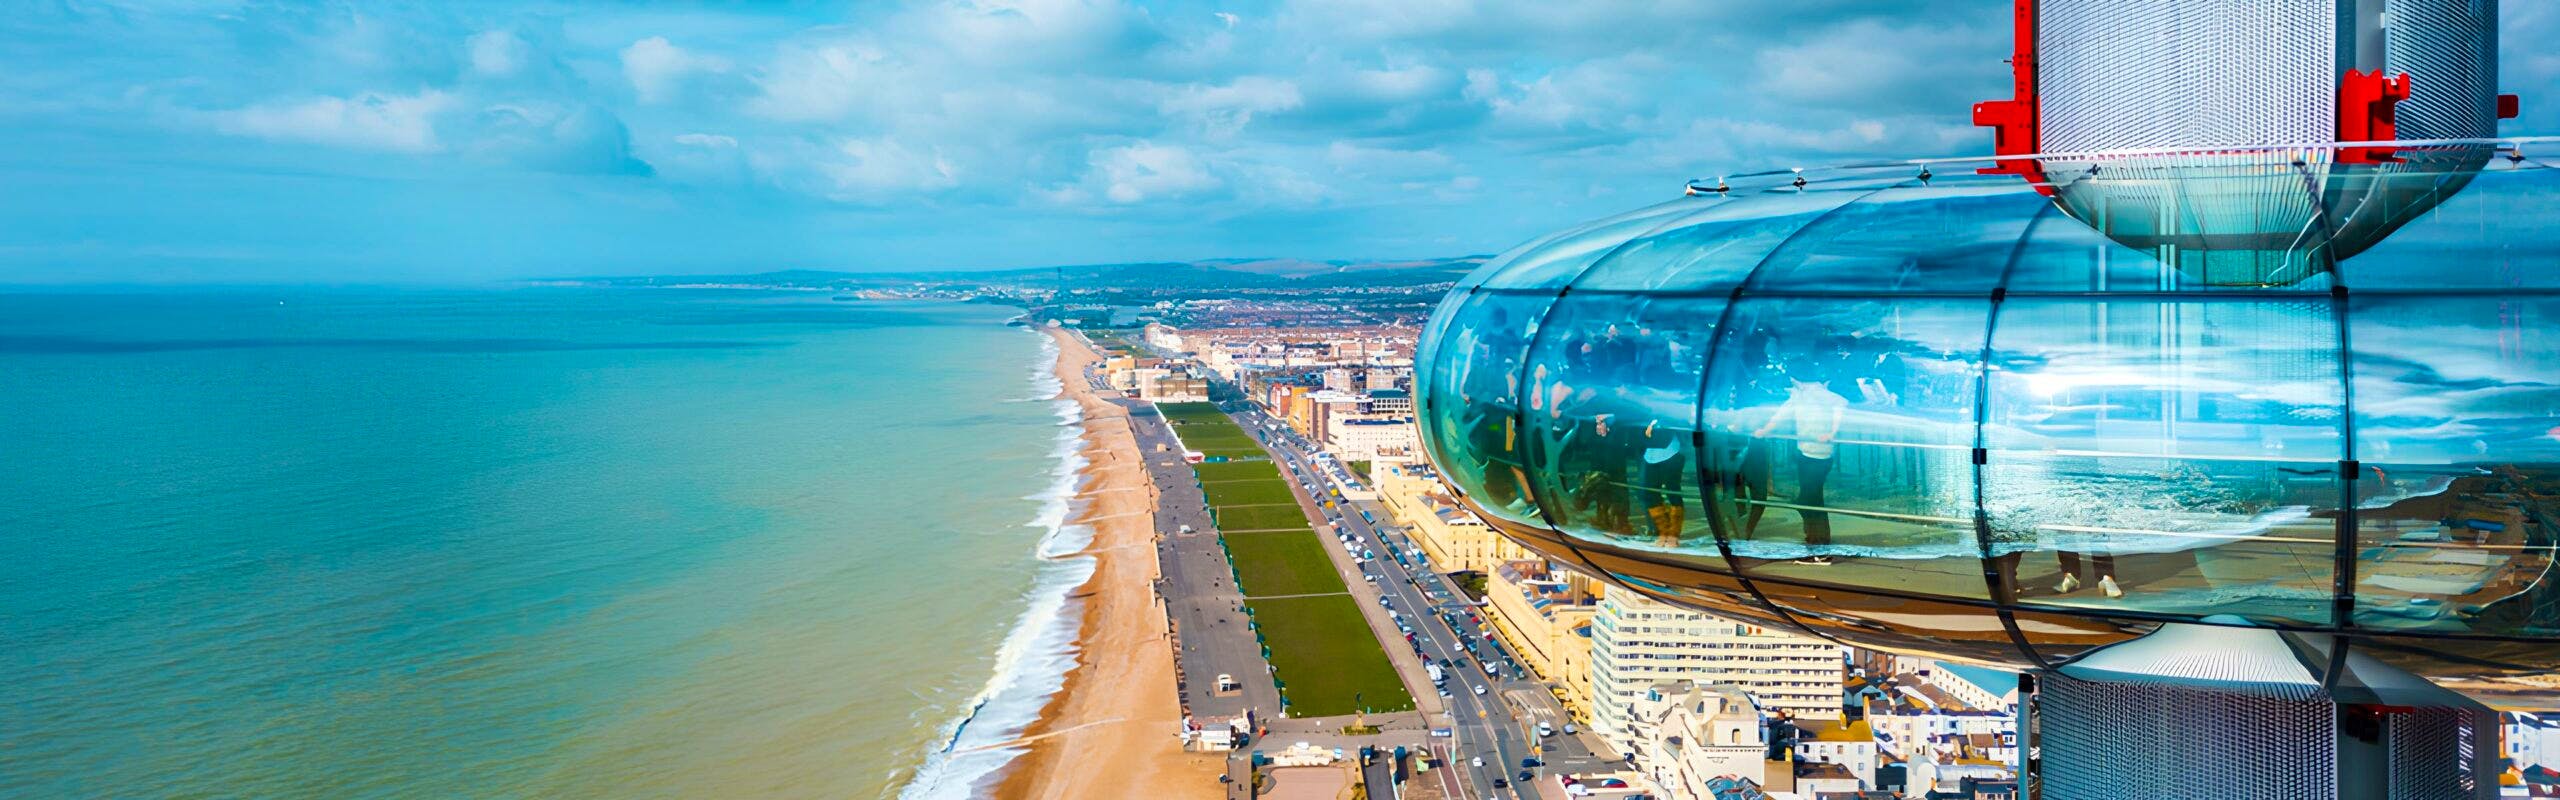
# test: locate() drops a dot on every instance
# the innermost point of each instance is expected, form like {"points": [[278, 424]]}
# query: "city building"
{"points": [[1637, 642], [2531, 744], [1848, 743], [1544, 614], [1371, 438], [1687, 734], [1453, 538]]}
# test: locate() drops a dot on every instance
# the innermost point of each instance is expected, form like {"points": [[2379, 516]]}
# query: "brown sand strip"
{"points": [[1112, 731]]}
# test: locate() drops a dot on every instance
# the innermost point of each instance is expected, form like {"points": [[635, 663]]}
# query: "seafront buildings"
{"points": [[1637, 642]]}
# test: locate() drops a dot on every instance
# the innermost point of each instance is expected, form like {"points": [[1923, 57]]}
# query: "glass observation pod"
{"points": [[2314, 390]]}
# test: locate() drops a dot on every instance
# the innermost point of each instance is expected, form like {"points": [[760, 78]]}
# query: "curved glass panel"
{"points": [[1842, 429], [1552, 264], [1612, 406], [1710, 590], [2458, 428], [2172, 457], [1911, 625], [2136, 400], [1945, 238], [2058, 637], [1426, 355], [1716, 249], [1475, 382], [2510, 675], [2497, 233], [1502, 261]]}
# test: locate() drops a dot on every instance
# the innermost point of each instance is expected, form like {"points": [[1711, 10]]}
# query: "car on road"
{"points": [[1527, 763], [1499, 783], [1478, 761], [1444, 691], [1570, 730], [1545, 730], [1526, 776], [1479, 691]]}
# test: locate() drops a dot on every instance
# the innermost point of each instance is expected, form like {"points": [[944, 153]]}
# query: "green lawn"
{"points": [[1206, 429], [1235, 471], [1263, 491], [1234, 448], [1321, 648], [1181, 412], [1282, 563], [1324, 656], [1254, 518]]}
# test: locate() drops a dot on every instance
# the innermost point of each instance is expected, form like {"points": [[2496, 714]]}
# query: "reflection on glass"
{"points": [[2458, 427], [2172, 457], [1843, 436], [1474, 385], [1612, 405], [1931, 238], [1860, 388], [1555, 262]]}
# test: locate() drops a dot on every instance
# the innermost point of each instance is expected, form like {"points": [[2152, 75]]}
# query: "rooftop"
{"points": [[1826, 730]]}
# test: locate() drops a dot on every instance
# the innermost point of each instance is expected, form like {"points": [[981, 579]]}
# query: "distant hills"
{"points": [[1225, 273]]}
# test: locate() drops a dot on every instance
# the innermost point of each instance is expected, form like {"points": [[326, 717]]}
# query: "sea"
{"points": [[525, 542]]}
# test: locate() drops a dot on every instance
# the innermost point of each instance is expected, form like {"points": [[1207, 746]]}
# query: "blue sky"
{"points": [[200, 140]]}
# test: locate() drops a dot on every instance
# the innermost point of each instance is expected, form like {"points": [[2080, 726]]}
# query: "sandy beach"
{"points": [[1110, 732]]}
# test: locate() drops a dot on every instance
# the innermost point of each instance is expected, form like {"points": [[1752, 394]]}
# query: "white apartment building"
{"points": [[1367, 438], [1687, 734], [1637, 642]]}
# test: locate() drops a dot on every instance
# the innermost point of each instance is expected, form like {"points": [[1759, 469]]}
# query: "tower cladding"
{"points": [[2108, 85], [2219, 400]]}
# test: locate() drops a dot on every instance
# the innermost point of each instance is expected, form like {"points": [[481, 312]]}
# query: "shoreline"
{"points": [[1110, 731]]}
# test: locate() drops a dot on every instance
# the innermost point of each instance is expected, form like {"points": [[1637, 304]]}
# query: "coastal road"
{"points": [[1497, 726], [1198, 585]]}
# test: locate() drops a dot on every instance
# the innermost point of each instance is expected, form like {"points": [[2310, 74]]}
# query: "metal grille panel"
{"points": [[2114, 74], [2450, 50], [2431, 755], [2109, 741]]}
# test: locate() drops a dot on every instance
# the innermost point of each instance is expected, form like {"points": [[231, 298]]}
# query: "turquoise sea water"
{"points": [[556, 543]]}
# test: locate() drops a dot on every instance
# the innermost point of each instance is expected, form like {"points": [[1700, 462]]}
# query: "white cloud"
{"points": [[496, 52], [874, 169], [368, 121], [1353, 159], [1145, 170], [817, 83], [709, 140], [1483, 85], [1225, 110], [657, 67]]}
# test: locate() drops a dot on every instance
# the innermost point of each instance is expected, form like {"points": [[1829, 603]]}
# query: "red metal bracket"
{"points": [[2367, 112], [2013, 121]]}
